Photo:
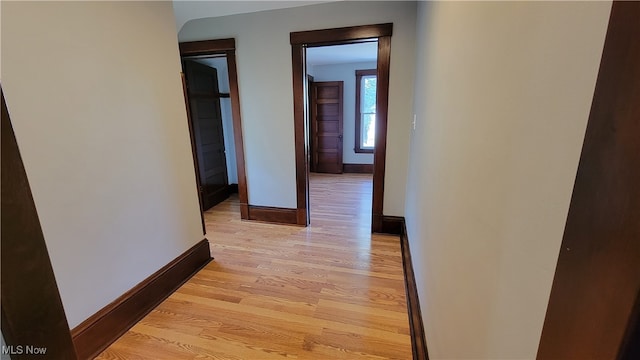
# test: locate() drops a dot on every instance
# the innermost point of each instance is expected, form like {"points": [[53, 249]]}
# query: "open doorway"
{"points": [[341, 108], [212, 99], [207, 83], [300, 43]]}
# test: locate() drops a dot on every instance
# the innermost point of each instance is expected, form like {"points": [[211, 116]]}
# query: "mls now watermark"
{"points": [[23, 350]]}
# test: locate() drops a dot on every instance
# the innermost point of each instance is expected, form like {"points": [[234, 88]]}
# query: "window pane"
{"points": [[368, 131], [366, 96], [368, 91]]}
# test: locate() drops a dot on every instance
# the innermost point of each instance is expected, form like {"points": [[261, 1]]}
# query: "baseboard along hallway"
{"points": [[331, 290]]}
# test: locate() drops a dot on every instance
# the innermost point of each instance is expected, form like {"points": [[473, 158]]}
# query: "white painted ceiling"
{"points": [[340, 54], [186, 10]]}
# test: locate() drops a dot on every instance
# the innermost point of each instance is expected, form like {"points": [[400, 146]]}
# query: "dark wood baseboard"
{"points": [[101, 329], [233, 188], [396, 225], [418, 340], [385, 224], [376, 222], [392, 224], [273, 214], [357, 168]]}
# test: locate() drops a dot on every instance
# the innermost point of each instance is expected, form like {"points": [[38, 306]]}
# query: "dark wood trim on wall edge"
{"points": [[382, 113], [299, 125], [349, 33], [244, 211], [357, 168], [274, 215], [96, 333], [302, 217], [206, 47], [238, 136], [596, 278], [192, 142], [32, 311], [416, 326], [343, 35]]}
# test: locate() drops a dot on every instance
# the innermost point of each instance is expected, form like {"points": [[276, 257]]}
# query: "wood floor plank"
{"points": [[211, 345], [387, 299], [369, 317], [331, 290], [280, 304], [358, 343], [341, 268]]}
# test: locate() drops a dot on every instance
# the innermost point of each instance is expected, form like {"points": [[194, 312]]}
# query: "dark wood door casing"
{"points": [[227, 47], [309, 119], [326, 126], [299, 42], [594, 303]]}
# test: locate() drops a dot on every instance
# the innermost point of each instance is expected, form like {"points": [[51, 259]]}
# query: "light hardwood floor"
{"points": [[328, 291]]}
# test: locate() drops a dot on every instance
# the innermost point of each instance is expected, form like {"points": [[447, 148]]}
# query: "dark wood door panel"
{"points": [[224, 47], [328, 143], [329, 90], [208, 107], [327, 105], [206, 115], [329, 127], [201, 85], [331, 109]]}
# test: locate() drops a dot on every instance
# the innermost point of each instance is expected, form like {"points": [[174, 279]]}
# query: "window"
{"points": [[366, 82]]}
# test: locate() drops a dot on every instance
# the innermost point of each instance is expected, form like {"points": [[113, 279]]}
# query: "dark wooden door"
{"points": [[326, 126], [594, 304], [206, 118]]}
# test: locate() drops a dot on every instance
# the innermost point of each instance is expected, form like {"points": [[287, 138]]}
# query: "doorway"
{"points": [[341, 123], [300, 42], [207, 86], [224, 142]]}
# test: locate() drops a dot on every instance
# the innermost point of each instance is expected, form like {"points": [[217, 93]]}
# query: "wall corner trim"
{"points": [[101, 329]]}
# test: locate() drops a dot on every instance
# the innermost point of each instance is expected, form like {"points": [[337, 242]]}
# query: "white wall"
{"points": [[95, 96], [310, 71], [220, 64], [503, 92], [347, 74], [266, 91]]}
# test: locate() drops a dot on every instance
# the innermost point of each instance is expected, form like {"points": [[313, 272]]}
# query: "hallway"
{"points": [[331, 290]]}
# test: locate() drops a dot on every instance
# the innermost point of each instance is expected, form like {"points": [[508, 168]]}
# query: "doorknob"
{"points": [[340, 136]]}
